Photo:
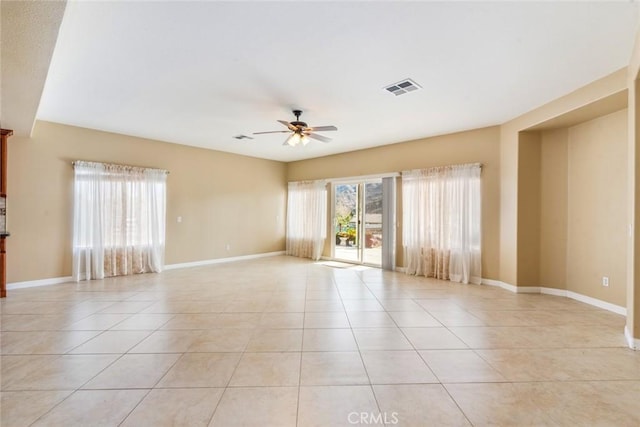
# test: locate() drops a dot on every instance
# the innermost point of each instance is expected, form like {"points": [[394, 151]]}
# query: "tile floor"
{"points": [[282, 342]]}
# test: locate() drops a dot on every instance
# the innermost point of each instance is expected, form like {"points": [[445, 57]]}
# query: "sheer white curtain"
{"points": [[441, 222], [306, 219], [118, 220]]}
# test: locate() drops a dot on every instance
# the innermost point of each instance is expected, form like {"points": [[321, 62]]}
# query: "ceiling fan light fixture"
{"points": [[293, 140]]}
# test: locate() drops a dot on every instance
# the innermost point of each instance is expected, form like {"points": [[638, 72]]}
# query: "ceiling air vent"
{"points": [[242, 137], [402, 87]]}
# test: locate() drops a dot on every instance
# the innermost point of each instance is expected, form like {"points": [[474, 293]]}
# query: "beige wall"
{"points": [[633, 202], [509, 164], [583, 218], [528, 209], [554, 199], [481, 145], [597, 203], [222, 198]]}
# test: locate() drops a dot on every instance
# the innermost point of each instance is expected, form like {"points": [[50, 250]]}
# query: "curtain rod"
{"points": [[73, 163], [480, 165], [355, 178]]}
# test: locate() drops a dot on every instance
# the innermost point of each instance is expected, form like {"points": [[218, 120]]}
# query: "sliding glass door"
{"points": [[358, 224]]}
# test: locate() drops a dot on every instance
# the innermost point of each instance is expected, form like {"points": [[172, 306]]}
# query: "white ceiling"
{"points": [[27, 39], [198, 73]]}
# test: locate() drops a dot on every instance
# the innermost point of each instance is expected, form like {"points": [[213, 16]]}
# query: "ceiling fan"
{"points": [[300, 132]]}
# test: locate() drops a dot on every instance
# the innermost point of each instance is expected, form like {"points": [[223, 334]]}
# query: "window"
{"points": [[119, 220]]}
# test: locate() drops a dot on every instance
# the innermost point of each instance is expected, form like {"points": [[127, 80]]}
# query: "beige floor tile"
{"points": [[89, 307], [400, 305], [286, 306], [333, 368], [411, 319], [36, 307], [134, 371], [509, 318], [246, 307], [335, 406], [440, 304], [127, 307], [276, 340], [460, 366], [312, 306], [46, 342], [143, 322], [580, 336], [238, 320], [67, 372], [267, 369], [168, 342], [93, 408], [433, 338], [326, 294], [397, 367], [455, 317], [612, 403], [183, 307], [328, 340], [111, 342], [22, 408], [503, 404], [282, 321], [221, 340], [97, 322], [192, 321], [381, 339], [508, 337], [419, 405], [175, 407], [261, 406], [428, 293], [370, 319], [360, 293], [564, 364], [362, 305], [201, 370], [34, 322], [326, 320]]}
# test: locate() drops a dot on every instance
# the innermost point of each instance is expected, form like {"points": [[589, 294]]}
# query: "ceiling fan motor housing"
{"points": [[297, 122]]}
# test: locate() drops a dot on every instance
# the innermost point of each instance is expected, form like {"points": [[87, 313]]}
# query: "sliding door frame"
{"points": [[389, 223]]}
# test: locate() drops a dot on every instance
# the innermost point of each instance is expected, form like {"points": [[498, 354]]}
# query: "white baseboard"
{"points": [[633, 343], [557, 292], [221, 260], [58, 280], [400, 269], [554, 291], [598, 303], [41, 282], [499, 284]]}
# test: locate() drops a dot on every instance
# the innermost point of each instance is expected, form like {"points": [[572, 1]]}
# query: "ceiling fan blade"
{"points": [[318, 137], [287, 124], [272, 131], [322, 128]]}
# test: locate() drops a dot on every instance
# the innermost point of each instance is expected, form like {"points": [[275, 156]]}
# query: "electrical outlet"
{"points": [[605, 281], [228, 247], [179, 219]]}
